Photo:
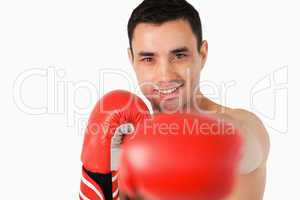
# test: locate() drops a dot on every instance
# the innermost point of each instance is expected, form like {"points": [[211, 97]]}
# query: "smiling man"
{"points": [[167, 52]]}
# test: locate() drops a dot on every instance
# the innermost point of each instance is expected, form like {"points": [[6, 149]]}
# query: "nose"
{"points": [[165, 71]]}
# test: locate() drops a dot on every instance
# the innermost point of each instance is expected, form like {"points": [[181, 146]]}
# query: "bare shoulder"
{"points": [[255, 127], [256, 139], [250, 119], [245, 115], [251, 123]]}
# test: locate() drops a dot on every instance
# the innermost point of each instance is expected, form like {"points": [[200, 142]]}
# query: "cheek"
{"points": [[196, 67], [190, 75], [145, 76], [146, 79], [187, 73]]}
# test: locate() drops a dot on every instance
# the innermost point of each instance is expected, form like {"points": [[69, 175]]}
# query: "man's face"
{"points": [[167, 63]]}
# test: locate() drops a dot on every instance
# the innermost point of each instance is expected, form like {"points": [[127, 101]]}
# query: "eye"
{"points": [[180, 55], [147, 59]]}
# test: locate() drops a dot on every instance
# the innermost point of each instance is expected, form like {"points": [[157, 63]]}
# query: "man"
{"points": [[168, 54]]}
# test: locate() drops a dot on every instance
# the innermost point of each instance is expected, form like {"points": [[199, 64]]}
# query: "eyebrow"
{"points": [[174, 51], [145, 54], [179, 50]]}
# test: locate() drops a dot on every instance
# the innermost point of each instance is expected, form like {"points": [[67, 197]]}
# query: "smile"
{"points": [[168, 91]]}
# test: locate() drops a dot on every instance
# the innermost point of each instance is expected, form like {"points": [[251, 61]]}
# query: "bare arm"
{"points": [[256, 141]]}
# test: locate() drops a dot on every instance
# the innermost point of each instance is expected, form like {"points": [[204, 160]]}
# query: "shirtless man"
{"points": [[168, 53]]}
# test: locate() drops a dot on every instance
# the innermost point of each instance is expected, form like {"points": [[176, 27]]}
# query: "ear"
{"points": [[203, 53], [130, 56]]}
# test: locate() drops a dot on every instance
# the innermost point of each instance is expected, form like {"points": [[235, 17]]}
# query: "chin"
{"points": [[172, 106]]}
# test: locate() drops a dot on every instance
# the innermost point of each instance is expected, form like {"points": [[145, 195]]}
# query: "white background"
{"points": [[250, 42]]}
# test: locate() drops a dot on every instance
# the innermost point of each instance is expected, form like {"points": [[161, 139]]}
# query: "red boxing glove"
{"points": [[181, 156], [115, 115]]}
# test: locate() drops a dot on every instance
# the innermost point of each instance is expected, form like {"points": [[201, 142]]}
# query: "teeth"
{"points": [[168, 91]]}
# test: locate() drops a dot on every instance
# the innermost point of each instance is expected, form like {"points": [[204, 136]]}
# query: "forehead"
{"points": [[163, 37]]}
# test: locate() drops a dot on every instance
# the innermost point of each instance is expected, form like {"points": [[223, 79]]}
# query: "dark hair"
{"points": [[160, 11]]}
